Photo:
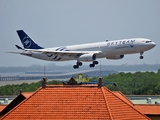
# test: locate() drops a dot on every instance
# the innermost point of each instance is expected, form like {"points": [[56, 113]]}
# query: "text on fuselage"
{"points": [[120, 42]]}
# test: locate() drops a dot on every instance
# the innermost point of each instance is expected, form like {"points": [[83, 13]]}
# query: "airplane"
{"points": [[89, 52]]}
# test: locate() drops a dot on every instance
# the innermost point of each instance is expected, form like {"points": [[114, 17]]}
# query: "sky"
{"points": [[54, 23]]}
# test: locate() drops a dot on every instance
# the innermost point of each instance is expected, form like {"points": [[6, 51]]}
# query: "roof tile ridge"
{"points": [[118, 97], [27, 92], [105, 98], [125, 97], [81, 85], [127, 103], [19, 103]]}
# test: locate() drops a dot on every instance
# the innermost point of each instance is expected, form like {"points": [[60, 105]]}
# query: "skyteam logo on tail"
{"points": [[26, 42]]}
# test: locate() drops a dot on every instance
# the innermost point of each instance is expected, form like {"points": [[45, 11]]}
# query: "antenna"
{"points": [[44, 79], [100, 69], [44, 71]]}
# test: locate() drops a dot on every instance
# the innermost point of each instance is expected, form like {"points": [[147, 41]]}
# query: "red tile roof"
{"points": [[74, 102], [123, 97], [2, 106], [15, 102], [148, 109], [27, 94]]}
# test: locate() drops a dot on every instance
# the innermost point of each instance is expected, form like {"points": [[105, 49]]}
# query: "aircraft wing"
{"points": [[74, 53]]}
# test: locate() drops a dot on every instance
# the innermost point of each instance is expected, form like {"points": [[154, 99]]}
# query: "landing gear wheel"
{"points": [[95, 62], [79, 63], [91, 65], [141, 57], [75, 66]]}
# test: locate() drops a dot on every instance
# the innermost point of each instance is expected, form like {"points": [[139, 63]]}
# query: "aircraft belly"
{"points": [[120, 50]]}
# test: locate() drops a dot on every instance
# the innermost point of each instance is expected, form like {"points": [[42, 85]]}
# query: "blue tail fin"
{"points": [[27, 42]]}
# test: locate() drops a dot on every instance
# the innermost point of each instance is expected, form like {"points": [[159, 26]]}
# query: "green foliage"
{"points": [[25, 87], [139, 83], [55, 82]]}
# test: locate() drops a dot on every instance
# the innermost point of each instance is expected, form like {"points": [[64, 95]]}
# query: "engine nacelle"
{"points": [[87, 57], [115, 57]]}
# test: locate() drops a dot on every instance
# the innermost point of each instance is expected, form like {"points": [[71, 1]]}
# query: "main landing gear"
{"points": [[141, 55], [77, 65], [80, 64], [93, 64]]}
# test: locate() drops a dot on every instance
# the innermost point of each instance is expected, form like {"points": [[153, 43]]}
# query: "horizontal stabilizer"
{"points": [[14, 52], [19, 47], [22, 53]]}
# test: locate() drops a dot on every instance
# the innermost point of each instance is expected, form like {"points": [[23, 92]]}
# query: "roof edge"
{"points": [[20, 103], [128, 104], [123, 96], [82, 85], [109, 111]]}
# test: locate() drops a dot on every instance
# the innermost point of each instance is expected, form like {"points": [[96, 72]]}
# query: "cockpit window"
{"points": [[148, 41]]}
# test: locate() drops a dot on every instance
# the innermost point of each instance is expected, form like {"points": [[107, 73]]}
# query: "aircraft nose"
{"points": [[153, 44]]}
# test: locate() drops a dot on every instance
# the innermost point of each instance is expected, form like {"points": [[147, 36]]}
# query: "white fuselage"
{"points": [[107, 48]]}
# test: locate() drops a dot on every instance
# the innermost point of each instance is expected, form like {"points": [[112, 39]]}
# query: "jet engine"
{"points": [[87, 57], [115, 57]]}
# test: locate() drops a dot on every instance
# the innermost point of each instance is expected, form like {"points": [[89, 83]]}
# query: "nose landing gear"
{"points": [[141, 55]]}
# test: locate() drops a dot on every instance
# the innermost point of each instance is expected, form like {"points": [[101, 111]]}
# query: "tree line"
{"points": [[138, 83], [24, 87]]}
